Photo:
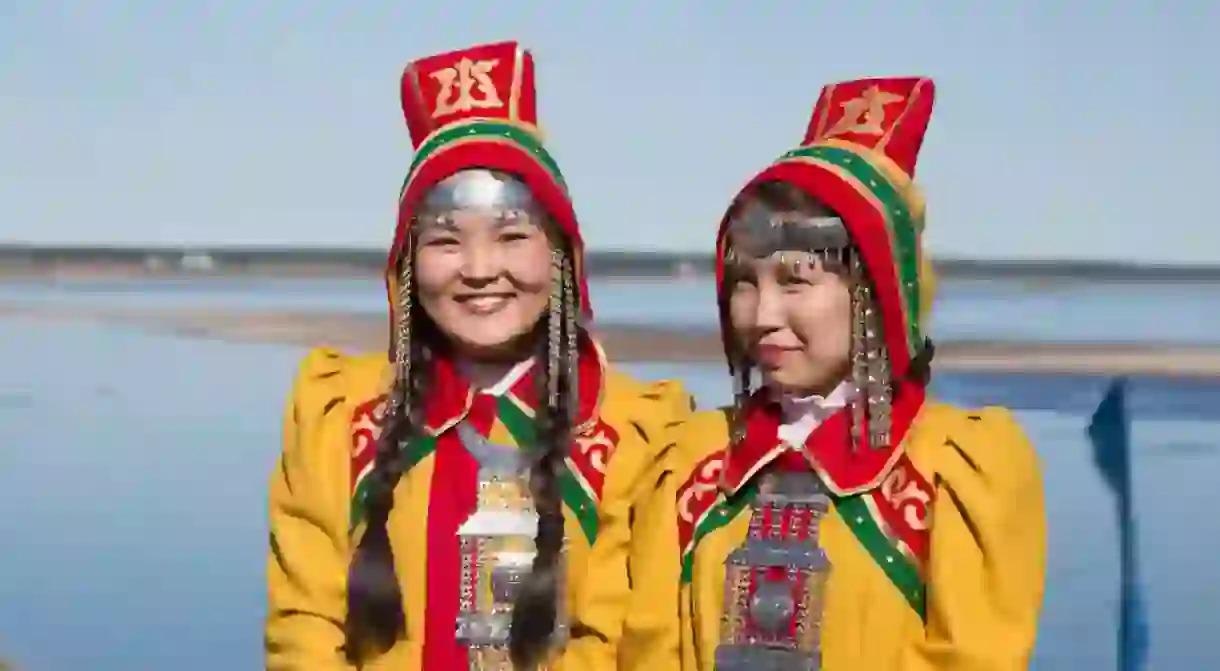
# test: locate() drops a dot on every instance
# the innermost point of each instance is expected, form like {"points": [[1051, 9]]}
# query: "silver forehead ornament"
{"points": [[481, 190], [759, 231]]}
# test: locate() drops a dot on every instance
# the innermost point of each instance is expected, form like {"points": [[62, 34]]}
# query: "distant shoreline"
{"points": [[84, 262], [362, 332]]}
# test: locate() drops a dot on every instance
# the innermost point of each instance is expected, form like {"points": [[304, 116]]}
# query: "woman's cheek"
{"points": [[528, 261]]}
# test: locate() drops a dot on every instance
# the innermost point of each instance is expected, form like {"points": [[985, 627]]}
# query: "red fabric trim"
{"points": [[904, 502], [453, 498], [591, 376], [368, 423], [592, 452], [592, 448], [829, 448], [448, 394], [697, 495], [762, 419]]}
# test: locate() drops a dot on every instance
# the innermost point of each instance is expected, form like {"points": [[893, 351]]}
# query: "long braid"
{"points": [[535, 612], [375, 618]]}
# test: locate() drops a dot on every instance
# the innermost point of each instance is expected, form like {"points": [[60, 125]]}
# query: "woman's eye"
{"points": [[441, 242], [513, 236]]}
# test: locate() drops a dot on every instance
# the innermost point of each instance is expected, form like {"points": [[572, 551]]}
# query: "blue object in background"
{"points": [[1110, 432]]}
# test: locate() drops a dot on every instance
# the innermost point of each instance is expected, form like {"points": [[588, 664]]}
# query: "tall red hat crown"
{"points": [[889, 116], [490, 81]]}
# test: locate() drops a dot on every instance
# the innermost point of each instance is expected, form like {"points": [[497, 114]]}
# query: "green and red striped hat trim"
{"points": [[486, 130]]}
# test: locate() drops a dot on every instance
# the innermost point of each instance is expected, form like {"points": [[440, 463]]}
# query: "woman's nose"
{"points": [[480, 265]]}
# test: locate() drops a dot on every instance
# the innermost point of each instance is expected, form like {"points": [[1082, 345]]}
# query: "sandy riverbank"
{"points": [[356, 332]]}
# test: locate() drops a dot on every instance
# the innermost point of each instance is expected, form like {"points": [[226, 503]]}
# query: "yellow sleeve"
{"points": [[599, 636], [651, 636], [307, 563], [988, 550], [656, 617]]}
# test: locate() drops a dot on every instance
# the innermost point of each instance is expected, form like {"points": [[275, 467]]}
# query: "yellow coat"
{"points": [[332, 417], [979, 591]]}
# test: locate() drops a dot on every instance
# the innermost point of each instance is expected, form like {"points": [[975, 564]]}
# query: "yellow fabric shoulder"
{"points": [[650, 410], [702, 435], [987, 561], [640, 413], [654, 637], [309, 500]]}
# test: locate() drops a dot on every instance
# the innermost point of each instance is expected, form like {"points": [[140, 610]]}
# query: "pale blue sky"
{"points": [[1062, 129]]}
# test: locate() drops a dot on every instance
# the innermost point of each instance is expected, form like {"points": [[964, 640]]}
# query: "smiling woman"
{"points": [[836, 516], [464, 500]]}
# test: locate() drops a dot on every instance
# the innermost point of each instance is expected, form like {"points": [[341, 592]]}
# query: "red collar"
{"points": [[828, 450], [450, 395]]}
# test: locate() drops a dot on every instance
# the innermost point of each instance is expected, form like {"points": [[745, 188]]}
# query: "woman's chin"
{"points": [[798, 383], [779, 379], [491, 346]]}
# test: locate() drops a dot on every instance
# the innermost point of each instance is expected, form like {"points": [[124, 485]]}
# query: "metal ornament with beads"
{"points": [[776, 580]]}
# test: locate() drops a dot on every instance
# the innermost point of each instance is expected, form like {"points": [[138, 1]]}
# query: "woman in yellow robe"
{"points": [[465, 502], [836, 517]]}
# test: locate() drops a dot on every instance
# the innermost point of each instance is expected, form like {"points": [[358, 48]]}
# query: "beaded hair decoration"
{"points": [[779, 220]]}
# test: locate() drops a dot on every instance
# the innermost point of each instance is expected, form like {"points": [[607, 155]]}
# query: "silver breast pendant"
{"points": [[775, 581], [497, 550]]}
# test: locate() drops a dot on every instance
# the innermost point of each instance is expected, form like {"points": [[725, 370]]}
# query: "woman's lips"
{"points": [[484, 304], [771, 355]]}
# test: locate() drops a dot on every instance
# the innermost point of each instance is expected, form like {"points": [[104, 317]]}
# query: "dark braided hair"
{"points": [[535, 614], [375, 619]]}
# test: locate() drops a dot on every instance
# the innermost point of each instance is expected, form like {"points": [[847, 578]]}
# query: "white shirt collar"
{"points": [[479, 374], [802, 414], [796, 407]]}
